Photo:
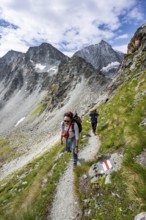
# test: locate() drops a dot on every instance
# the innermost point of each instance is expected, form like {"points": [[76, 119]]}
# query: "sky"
{"points": [[69, 25]]}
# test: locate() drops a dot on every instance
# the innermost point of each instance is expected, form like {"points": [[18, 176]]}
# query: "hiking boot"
{"points": [[75, 164]]}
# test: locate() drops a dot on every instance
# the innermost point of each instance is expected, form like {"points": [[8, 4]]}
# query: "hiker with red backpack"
{"points": [[70, 131]]}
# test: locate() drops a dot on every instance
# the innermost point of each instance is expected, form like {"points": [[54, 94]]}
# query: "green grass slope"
{"points": [[28, 193], [120, 130]]}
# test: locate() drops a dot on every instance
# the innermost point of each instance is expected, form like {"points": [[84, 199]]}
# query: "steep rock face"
{"points": [[11, 76], [102, 57], [31, 70], [45, 53], [135, 60], [138, 42], [69, 75], [8, 64], [24, 81]]}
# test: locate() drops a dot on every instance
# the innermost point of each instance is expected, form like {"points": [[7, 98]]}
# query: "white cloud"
{"points": [[69, 54], [134, 13], [77, 23], [110, 66], [122, 48], [123, 36]]}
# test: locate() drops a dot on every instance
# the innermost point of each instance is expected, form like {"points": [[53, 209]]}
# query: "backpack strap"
{"points": [[68, 128], [63, 125], [73, 127]]}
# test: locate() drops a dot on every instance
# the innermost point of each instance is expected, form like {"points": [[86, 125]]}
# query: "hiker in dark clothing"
{"points": [[93, 117]]}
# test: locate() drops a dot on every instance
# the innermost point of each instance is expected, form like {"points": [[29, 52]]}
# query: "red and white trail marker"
{"points": [[107, 165]]}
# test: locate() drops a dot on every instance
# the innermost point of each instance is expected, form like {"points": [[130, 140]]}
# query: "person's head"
{"points": [[68, 117], [91, 110]]}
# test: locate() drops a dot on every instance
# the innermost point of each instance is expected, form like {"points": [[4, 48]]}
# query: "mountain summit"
{"points": [[102, 57], [45, 53]]}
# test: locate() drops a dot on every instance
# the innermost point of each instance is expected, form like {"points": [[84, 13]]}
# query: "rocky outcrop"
{"points": [[106, 165], [69, 75], [9, 64], [138, 42], [134, 61]]}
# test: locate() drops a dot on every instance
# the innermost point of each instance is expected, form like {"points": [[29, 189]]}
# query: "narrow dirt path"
{"points": [[65, 206]]}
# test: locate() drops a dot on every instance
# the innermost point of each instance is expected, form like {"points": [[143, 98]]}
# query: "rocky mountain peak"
{"points": [[11, 56], [102, 57], [45, 53], [103, 42], [13, 53], [8, 63]]}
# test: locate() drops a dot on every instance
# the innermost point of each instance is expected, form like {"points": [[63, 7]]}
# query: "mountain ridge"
{"points": [[44, 71]]}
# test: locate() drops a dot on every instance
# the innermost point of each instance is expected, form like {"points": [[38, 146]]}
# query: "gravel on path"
{"points": [[65, 205]]}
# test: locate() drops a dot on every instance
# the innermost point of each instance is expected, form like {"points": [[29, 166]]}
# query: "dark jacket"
{"points": [[93, 117]]}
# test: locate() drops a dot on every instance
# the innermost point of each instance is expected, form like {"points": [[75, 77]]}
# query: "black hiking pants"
{"points": [[94, 125]]}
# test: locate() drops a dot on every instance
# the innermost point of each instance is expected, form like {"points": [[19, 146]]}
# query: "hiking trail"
{"points": [[65, 205]]}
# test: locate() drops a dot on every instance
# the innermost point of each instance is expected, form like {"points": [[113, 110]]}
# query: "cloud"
{"points": [[123, 36], [76, 23], [134, 13], [122, 48]]}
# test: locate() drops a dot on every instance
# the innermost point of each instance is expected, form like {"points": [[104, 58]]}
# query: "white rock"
{"points": [[141, 216]]}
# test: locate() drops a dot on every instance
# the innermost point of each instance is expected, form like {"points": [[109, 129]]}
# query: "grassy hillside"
{"points": [[28, 193], [7, 151], [120, 130]]}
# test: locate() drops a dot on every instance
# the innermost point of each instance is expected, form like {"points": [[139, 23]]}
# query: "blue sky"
{"points": [[68, 25]]}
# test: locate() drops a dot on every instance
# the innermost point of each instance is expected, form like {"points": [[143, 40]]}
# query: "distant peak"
{"points": [[42, 45], [12, 53], [45, 44], [103, 42]]}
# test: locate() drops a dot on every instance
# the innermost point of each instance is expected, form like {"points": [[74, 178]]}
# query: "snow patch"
{"points": [[110, 66], [22, 119], [39, 66], [46, 68], [53, 70]]}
